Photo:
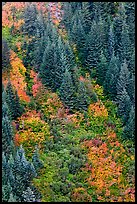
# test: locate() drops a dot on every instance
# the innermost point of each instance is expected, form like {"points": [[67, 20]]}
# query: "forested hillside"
{"points": [[68, 102]]}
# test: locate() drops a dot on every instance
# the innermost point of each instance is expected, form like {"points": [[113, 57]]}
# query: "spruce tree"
{"points": [[124, 105], [28, 195], [123, 80], [101, 69], [118, 23], [86, 16], [7, 134], [19, 108], [46, 71], [10, 99], [83, 100], [35, 159], [95, 43], [125, 48], [130, 20], [67, 91], [131, 88], [5, 55], [111, 77], [67, 15], [30, 20], [111, 41], [129, 129]]}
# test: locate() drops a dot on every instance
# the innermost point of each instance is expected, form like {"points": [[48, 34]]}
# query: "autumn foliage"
{"points": [[106, 177]]}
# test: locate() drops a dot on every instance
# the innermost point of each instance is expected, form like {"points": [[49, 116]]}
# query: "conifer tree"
{"points": [[28, 195], [7, 134], [130, 20], [118, 22], [19, 108], [131, 88], [36, 161], [111, 77], [67, 91], [30, 20], [83, 100], [47, 66], [129, 129], [123, 80], [124, 105], [125, 48], [10, 99], [111, 41], [86, 16], [67, 15], [101, 69], [12, 198], [5, 55], [95, 42]]}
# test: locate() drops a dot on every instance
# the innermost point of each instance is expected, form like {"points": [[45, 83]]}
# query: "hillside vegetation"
{"points": [[68, 102]]}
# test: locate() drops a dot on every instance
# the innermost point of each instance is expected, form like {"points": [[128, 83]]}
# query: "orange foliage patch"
{"points": [[17, 76], [7, 19], [98, 109], [106, 171]]}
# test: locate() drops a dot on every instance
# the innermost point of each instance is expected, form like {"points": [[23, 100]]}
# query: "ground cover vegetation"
{"points": [[68, 102]]}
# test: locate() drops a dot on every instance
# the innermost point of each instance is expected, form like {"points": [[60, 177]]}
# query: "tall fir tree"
{"points": [[101, 69], [95, 43], [129, 129], [36, 160], [124, 106], [67, 91], [30, 20], [111, 77], [111, 41], [83, 99], [123, 80], [5, 55]]}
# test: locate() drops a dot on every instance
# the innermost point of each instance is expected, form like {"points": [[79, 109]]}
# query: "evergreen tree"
{"points": [[10, 99], [111, 77], [67, 91], [28, 195], [13, 102], [101, 69], [12, 198], [130, 20], [118, 23], [19, 108], [86, 16], [123, 81], [40, 46], [69, 55], [5, 55], [23, 171], [6, 191], [7, 134], [67, 15], [5, 109], [111, 41], [46, 71], [40, 25], [131, 88], [30, 20], [129, 129], [36, 161], [124, 105], [125, 44], [83, 100], [95, 42]]}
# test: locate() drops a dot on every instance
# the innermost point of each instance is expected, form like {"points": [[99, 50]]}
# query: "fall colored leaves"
{"points": [[17, 76], [108, 157]]}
